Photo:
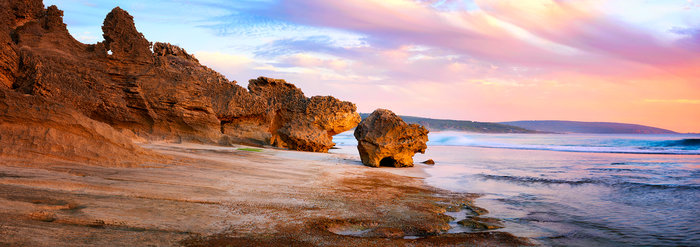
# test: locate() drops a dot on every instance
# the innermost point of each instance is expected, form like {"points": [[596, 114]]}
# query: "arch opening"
{"points": [[388, 161]]}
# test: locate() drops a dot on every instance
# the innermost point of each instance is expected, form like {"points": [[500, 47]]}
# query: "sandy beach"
{"points": [[212, 195]]}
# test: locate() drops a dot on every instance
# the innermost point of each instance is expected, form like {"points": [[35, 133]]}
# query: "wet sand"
{"points": [[238, 196]]}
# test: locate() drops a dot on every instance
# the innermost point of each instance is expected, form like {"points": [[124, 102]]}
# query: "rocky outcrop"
{"points": [[384, 139], [32, 128], [12, 15], [157, 91], [165, 49], [122, 39], [278, 113]]}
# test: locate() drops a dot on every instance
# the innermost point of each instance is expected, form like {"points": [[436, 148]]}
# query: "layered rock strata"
{"points": [[50, 132]]}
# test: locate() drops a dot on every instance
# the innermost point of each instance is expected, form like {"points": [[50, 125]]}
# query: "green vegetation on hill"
{"points": [[460, 125]]}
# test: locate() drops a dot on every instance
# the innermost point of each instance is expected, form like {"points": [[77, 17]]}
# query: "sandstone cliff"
{"points": [[157, 91], [44, 131]]}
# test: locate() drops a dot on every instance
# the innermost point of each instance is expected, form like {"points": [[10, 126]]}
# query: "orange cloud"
{"points": [[505, 60]]}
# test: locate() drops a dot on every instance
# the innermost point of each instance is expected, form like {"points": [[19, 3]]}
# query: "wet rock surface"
{"points": [[156, 91], [481, 223], [384, 139]]}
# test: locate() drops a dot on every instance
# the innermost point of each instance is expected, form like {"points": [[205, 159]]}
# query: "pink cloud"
{"points": [[541, 33], [508, 60], [414, 23], [578, 25]]}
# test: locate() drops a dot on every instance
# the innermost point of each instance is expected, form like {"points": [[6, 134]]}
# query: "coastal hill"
{"points": [[533, 126], [588, 127], [461, 125]]}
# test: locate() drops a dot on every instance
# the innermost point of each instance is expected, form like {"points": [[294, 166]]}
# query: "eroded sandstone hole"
{"points": [[388, 161]]}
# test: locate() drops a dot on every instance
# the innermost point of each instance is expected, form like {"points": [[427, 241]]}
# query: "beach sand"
{"points": [[238, 196]]}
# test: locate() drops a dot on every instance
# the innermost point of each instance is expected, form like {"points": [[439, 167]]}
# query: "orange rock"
{"points": [[384, 139], [158, 94]]}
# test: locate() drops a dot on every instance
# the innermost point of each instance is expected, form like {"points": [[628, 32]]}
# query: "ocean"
{"points": [[574, 189]]}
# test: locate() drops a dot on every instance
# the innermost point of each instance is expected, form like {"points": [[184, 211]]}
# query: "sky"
{"points": [[481, 60]]}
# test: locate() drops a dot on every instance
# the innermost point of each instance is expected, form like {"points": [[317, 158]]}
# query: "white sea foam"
{"points": [[637, 144]]}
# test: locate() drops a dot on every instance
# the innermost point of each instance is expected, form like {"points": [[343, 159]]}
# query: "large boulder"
{"points": [[384, 139]]}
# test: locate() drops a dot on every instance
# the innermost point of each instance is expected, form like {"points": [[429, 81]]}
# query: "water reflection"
{"points": [[584, 199]]}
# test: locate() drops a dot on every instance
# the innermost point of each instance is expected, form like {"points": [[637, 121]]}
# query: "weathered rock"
{"points": [[166, 49], [384, 139], [34, 129], [122, 38], [453, 208], [159, 94], [332, 115], [314, 128], [429, 162], [43, 216], [481, 223], [474, 210], [13, 14], [300, 123], [277, 113]]}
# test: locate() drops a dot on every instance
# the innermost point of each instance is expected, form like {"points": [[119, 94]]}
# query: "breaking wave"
{"points": [[601, 181], [570, 143], [635, 144]]}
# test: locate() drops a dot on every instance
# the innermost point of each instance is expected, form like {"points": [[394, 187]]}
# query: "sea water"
{"points": [[575, 190]]}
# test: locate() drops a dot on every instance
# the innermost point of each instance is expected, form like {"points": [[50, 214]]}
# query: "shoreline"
{"points": [[214, 195]]}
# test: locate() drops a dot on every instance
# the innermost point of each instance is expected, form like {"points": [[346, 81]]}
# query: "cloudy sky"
{"points": [[497, 60]]}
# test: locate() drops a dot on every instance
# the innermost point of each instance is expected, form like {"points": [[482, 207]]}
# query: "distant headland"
{"points": [[532, 126], [558, 126]]}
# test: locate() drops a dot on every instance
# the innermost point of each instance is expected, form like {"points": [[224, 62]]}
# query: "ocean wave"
{"points": [[448, 139], [632, 144], [520, 179], [659, 186], [595, 149], [568, 143], [691, 142], [624, 185]]}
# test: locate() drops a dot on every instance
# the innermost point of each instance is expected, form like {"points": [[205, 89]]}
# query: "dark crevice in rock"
{"points": [[388, 162]]}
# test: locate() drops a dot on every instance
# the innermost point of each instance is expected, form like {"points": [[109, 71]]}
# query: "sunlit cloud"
{"points": [[674, 101]]}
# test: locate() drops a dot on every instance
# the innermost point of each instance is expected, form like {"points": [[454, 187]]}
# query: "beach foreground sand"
{"points": [[216, 196]]}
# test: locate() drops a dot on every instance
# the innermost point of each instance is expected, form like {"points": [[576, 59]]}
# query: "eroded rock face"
{"points": [[384, 139], [122, 38], [32, 128], [12, 15], [158, 94], [287, 117]]}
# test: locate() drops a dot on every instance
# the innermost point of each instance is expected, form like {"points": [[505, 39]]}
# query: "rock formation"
{"points": [[32, 127], [278, 113], [384, 139], [156, 91]]}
